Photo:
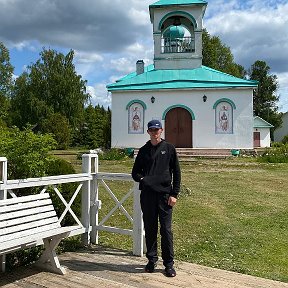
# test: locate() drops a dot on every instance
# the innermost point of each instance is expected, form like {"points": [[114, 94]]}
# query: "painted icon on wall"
{"points": [[136, 119], [224, 119]]}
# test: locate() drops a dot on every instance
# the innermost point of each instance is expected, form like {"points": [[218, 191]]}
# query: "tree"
{"points": [[265, 98], [51, 85], [218, 56], [6, 83], [27, 152], [57, 124], [95, 130]]}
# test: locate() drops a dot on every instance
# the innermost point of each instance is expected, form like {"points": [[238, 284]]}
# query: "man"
{"points": [[157, 170]]}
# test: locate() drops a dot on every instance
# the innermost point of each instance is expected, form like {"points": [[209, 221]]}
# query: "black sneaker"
{"points": [[150, 267], [170, 272]]}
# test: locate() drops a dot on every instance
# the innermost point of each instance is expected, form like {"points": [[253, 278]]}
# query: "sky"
{"points": [[109, 36]]}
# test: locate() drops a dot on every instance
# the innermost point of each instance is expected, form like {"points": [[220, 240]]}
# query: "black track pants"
{"points": [[155, 206]]}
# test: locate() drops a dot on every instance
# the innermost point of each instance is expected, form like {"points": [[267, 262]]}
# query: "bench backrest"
{"points": [[27, 215]]}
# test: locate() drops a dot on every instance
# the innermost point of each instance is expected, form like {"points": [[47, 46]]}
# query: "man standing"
{"points": [[157, 170]]}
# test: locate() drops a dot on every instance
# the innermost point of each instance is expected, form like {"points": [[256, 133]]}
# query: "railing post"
{"points": [[90, 166], [3, 195], [138, 228], [95, 204]]}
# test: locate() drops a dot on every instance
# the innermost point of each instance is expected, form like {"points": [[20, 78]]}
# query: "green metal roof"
{"points": [[261, 123], [176, 2], [202, 77]]}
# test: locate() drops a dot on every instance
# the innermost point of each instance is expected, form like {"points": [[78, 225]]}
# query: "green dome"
{"points": [[174, 32]]}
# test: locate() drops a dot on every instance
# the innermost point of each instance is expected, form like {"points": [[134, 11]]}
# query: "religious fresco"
{"points": [[136, 119], [224, 118]]}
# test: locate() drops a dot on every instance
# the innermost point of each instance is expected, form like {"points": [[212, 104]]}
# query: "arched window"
{"points": [[224, 116], [136, 110]]}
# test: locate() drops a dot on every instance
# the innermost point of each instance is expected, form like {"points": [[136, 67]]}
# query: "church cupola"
{"points": [[177, 33]]}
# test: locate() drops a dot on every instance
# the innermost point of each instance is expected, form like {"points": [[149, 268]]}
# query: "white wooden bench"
{"points": [[29, 221]]}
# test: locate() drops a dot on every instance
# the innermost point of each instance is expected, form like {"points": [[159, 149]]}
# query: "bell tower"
{"points": [[177, 33]]}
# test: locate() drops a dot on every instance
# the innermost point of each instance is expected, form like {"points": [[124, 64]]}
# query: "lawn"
{"points": [[231, 214]]}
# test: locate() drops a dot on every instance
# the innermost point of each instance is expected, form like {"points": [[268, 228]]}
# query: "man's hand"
{"points": [[172, 201]]}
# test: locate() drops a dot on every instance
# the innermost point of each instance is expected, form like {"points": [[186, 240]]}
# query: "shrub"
{"points": [[27, 152], [275, 154], [113, 154], [61, 167], [28, 156], [285, 140], [109, 154]]}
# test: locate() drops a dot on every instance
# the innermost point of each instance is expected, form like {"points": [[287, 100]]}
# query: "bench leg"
{"points": [[49, 259]]}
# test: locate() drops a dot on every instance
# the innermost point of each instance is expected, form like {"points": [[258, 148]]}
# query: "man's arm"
{"points": [[176, 172], [137, 170]]}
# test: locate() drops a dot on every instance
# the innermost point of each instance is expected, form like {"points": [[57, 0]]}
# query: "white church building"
{"points": [[199, 107]]}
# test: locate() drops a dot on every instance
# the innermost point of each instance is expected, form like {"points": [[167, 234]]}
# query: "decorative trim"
{"points": [[224, 100], [136, 101], [178, 106], [189, 16]]}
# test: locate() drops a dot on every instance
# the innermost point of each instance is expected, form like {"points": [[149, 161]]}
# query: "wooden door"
{"points": [[256, 139], [178, 128]]}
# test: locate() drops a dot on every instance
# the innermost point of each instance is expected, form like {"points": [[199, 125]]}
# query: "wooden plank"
{"points": [[33, 237], [21, 206], [27, 226], [24, 199], [26, 212], [44, 181], [27, 219]]}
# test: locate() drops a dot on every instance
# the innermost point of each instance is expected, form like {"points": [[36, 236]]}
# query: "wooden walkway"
{"points": [[99, 267]]}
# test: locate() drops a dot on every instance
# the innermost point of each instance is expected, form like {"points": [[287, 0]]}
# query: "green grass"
{"points": [[232, 214]]}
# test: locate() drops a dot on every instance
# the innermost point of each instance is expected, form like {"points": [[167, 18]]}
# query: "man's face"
{"points": [[154, 133]]}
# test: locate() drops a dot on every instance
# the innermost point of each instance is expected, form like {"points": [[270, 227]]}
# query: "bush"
{"points": [[109, 154], [62, 167], [28, 156], [285, 140], [275, 154], [27, 152], [113, 154]]}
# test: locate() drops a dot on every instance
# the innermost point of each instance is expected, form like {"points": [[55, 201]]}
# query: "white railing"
{"points": [[89, 182]]}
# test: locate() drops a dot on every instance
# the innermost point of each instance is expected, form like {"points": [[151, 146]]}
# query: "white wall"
{"points": [[265, 139], [204, 135]]}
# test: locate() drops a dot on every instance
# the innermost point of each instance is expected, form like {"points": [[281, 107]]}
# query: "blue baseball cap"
{"points": [[154, 124]]}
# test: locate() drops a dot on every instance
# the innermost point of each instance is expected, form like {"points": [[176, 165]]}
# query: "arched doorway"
{"points": [[178, 127]]}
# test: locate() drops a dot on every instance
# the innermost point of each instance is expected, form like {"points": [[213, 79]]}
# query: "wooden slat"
{"points": [[28, 226], [24, 199], [8, 244], [32, 231], [22, 206], [23, 213], [28, 219]]}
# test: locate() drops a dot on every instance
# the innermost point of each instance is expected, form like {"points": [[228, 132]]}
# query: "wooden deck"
{"points": [[98, 267]]}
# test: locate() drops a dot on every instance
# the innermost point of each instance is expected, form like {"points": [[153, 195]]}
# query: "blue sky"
{"points": [[108, 38]]}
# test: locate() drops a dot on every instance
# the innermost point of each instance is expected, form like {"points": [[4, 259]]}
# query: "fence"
{"points": [[88, 186]]}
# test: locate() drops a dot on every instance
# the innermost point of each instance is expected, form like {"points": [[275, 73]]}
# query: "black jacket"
{"points": [[159, 167]]}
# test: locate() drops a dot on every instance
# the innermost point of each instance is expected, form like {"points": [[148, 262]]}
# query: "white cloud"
{"points": [[283, 91], [86, 58], [99, 95], [123, 65], [256, 33], [110, 37]]}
